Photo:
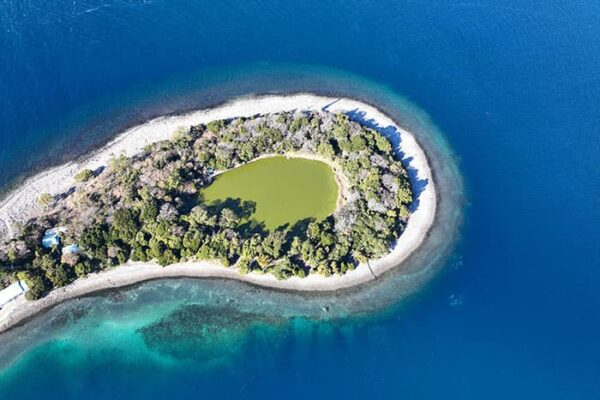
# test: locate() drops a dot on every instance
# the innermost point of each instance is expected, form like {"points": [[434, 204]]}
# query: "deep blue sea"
{"points": [[508, 90]]}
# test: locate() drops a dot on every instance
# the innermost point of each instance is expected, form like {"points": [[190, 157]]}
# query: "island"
{"points": [[298, 192]]}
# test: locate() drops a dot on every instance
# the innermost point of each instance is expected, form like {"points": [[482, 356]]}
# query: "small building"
{"points": [[56, 231], [73, 248], [52, 237], [12, 292], [49, 241]]}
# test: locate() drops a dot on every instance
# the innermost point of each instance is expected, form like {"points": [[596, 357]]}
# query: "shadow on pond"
{"points": [[248, 226], [243, 209]]}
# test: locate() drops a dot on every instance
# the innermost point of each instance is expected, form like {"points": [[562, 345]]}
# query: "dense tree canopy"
{"points": [[146, 207]]}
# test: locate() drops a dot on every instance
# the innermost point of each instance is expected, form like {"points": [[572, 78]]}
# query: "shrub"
{"points": [[158, 216], [84, 175], [38, 286], [298, 123], [215, 126], [45, 199], [125, 225], [83, 268]]}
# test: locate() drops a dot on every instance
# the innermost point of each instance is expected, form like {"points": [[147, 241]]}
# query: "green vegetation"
{"points": [[84, 175], [282, 190], [271, 216], [45, 199]]}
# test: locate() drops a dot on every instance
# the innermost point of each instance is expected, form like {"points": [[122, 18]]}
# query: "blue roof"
{"points": [[49, 241], [71, 249]]}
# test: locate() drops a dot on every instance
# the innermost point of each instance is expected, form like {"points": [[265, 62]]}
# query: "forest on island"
{"points": [[146, 207]]}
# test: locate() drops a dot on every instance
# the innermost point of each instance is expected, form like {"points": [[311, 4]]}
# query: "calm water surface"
{"points": [[277, 190], [513, 87]]}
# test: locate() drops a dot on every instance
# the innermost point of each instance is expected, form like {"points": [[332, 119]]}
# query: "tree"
{"points": [[38, 286], [323, 269], [181, 137], [45, 199], [93, 241], [371, 183], [281, 118], [287, 268], [215, 126], [118, 164], [405, 194], [59, 274], [403, 212], [156, 248], [139, 253], [192, 240], [314, 231], [167, 257], [327, 238], [148, 210], [11, 256], [346, 267], [296, 246], [263, 261], [326, 150], [84, 175], [168, 212], [315, 122], [200, 216], [298, 123], [125, 225], [382, 143], [44, 261], [83, 268], [245, 151], [229, 219], [273, 243], [307, 253], [244, 265], [357, 143], [173, 181], [250, 246]]}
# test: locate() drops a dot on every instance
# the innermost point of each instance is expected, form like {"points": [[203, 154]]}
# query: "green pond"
{"points": [[277, 190]]}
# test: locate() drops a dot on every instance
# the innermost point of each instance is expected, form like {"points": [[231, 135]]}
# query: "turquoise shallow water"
{"points": [[512, 310], [190, 329]]}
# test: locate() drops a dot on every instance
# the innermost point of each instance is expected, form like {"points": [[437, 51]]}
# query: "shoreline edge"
{"points": [[21, 203]]}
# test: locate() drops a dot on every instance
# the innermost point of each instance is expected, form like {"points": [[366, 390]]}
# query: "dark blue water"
{"points": [[513, 87]]}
